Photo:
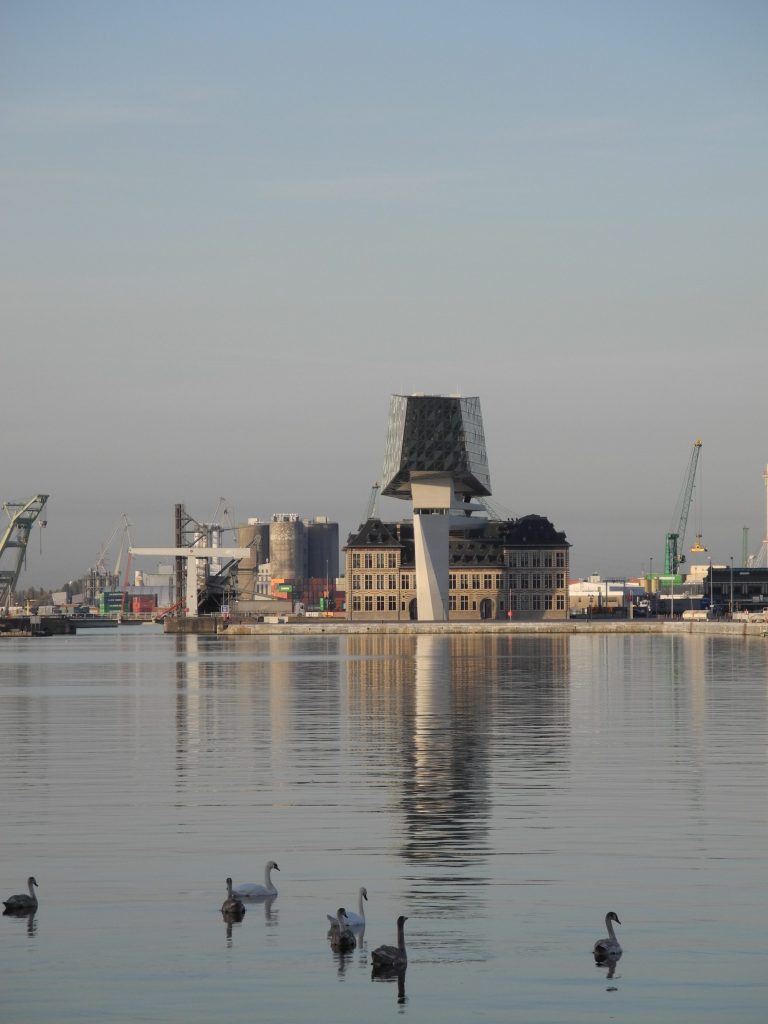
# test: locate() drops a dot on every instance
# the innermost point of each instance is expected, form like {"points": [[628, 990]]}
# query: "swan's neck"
{"points": [[401, 937], [31, 887], [609, 926], [229, 889], [360, 909], [268, 877]]}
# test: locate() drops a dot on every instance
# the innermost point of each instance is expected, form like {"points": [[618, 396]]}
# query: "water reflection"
{"points": [[24, 915], [395, 974]]}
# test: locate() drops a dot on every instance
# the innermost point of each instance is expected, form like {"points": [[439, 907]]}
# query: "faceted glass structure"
{"points": [[435, 434]]}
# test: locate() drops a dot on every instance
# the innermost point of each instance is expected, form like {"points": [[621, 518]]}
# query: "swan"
{"points": [[252, 890], [342, 937], [388, 958], [22, 902], [353, 920], [232, 907], [609, 946]]}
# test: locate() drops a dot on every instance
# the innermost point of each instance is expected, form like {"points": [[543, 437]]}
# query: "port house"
{"points": [[510, 569]]}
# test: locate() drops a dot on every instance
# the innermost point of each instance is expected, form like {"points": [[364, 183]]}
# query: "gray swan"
{"points": [[391, 958], [252, 890], [354, 920], [609, 947], [22, 902], [232, 907], [342, 938]]}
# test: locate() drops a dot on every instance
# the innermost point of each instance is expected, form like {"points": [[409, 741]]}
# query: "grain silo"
{"points": [[254, 535], [322, 548], [287, 547]]}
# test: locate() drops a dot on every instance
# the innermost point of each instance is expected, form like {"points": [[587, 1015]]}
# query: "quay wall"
{"points": [[216, 625]]}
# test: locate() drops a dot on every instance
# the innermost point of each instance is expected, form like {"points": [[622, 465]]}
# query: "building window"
{"points": [[561, 602], [379, 559], [513, 582], [560, 580], [487, 581], [356, 581], [355, 602], [379, 602], [514, 560], [524, 559], [524, 581], [402, 606], [392, 581], [464, 602], [547, 559], [404, 582], [524, 602], [501, 604], [392, 560], [475, 580], [474, 606], [368, 560], [451, 580], [560, 559], [368, 603], [463, 581], [536, 602], [547, 580], [547, 602], [452, 603], [392, 603], [536, 581], [368, 581], [499, 581], [380, 581], [513, 602], [356, 560]]}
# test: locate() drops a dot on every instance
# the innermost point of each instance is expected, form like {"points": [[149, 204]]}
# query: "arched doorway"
{"points": [[413, 611], [486, 608]]}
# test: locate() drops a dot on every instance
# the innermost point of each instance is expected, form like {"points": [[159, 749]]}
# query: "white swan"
{"points": [[354, 920], [252, 890], [342, 937], [232, 907], [392, 958], [22, 902], [608, 947]]}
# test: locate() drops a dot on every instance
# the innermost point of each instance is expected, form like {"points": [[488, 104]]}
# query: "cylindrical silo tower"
{"points": [[287, 547], [323, 549], [254, 535]]}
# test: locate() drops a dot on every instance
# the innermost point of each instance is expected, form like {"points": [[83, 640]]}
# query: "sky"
{"points": [[231, 230]]}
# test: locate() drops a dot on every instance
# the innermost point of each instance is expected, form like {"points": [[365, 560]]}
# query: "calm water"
{"points": [[503, 792]]}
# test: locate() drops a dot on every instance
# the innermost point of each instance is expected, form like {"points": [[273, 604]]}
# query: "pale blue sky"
{"points": [[231, 230]]}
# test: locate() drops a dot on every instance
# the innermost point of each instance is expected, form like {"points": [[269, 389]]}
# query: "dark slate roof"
{"points": [[373, 533], [467, 547]]}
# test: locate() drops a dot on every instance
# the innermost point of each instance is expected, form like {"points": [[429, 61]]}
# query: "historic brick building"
{"points": [[516, 568]]}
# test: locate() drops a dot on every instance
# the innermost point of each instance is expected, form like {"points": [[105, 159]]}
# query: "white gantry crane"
{"points": [[192, 554], [13, 543]]}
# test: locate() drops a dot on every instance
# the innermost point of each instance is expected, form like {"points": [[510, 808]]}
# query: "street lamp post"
{"points": [[711, 590], [731, 601]]}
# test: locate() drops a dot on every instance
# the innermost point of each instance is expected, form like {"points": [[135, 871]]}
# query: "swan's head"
{"points": [[612, 916], [341, 916], [401, 921], [272, 864], [32, 881], [229, 885], [364, 892]]}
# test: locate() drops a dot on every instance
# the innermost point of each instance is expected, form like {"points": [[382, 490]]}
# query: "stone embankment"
{"points": [[573, 626]]}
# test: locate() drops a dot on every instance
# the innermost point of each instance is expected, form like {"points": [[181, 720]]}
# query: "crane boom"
{"points": [[674, 541], [22, 516]]}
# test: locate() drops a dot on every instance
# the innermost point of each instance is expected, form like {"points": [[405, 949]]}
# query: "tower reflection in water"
{"points": [[460, 719]]}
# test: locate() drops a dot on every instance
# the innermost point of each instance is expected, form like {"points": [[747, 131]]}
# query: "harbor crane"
{"points": [[674, 541], [22, 516]]}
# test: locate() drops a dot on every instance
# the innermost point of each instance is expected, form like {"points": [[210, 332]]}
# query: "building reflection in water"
{"points": [[449, 714]]}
